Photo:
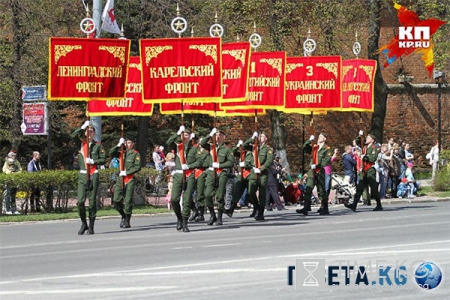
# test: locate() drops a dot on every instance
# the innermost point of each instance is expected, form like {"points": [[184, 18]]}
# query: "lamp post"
{"points": [[439, 78]]}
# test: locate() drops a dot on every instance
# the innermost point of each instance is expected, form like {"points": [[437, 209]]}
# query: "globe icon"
{"points": [[428, 275]]}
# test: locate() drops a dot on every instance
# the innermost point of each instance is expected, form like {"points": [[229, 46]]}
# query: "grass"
{"points": [[428, 191], [73, 214]]}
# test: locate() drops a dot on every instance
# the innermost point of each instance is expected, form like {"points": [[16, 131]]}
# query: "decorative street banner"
{"points": [[34, 118], [132, 104], [84, 69], [189, 107], [33, 93], [181, 68], [313, 84], [267, 82], [358, 76], [235, 72]]}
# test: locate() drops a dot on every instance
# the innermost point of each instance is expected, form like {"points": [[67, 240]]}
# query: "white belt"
{"points": [[84, 171], [211, 168], [176, 172]]}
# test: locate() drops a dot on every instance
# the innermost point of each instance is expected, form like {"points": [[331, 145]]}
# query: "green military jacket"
{"points": [[224, 154], [323, 156], [132, 159], [371, 151], [203, 157], [265, 155], [189, 150], [96, 151]]}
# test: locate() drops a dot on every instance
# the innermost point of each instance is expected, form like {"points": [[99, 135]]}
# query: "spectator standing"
{"points": [[157, 159], [394, 170], [11, 166], [433, 157], [349, 162], [408, 154], [35, 166], [273, 183]]}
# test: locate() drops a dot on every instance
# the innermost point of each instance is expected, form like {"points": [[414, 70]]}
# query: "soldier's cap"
{"points": [[129, 138], [248, 147], [372, 136], [222, 131], [92, 125], [187, 130], [265, 133]]}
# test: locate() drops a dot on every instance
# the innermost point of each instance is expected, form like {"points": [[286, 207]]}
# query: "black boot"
{"points": [[213, 218], [219, 218], [230, 211], [119, 207], [179, 221], [324, 209], [91, 225], [194, 214], [260, 215], [127, 221], [185, 225], [82, 213], [200, 217], [305, 209]]}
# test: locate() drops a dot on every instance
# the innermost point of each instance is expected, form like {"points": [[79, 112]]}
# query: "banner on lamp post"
{"points": [[34, 118]]}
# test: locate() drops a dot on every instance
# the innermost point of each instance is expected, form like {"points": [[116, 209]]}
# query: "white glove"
{"points": [[313, 167], [256, 170], [184, 167], [121, 142], [123, 173], [242, 164], [213, 132], [240, 143], [192, 135], [361, 132], [255, 135], [181, 129], [89, 161], [85, 125], [215, 165], [312, 137]]}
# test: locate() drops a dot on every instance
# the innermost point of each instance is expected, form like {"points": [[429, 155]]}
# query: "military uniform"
{"points": [[95, 151], [368, 176], [245, 179], [126, 184], [200, 176], [265, 158], [184, 152], [321, 157], [216, 180]]}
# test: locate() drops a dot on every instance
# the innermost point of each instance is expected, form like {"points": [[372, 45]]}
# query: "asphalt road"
{"points": [[243, 259]]}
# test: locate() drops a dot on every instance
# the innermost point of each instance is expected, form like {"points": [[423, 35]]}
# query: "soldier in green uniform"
{"points": [[321, 157], [246, 176], [265, 159], [183, 176], [216, 179], [368, 175], [90, 156], [124, 188], [200, 177]]}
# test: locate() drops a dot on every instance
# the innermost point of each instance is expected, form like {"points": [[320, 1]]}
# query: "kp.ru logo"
{"points": [[414, 37]]}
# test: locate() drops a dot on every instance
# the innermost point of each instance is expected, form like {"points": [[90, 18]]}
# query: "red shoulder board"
{"points": [[135, 151]]}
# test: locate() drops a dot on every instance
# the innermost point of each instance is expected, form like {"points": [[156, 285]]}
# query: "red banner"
{"points": [[266, 82], [313, 83], [84, 69], [189, 107], [132, 104], [181, 68], [240, 112], [358, 76], [235, 71]]}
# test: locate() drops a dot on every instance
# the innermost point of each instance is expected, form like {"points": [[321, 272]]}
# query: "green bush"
{"points": [[442, 181], [59, 186]]}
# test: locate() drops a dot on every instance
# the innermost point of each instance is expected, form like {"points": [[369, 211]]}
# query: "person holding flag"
{"points": [[130, 164], [321, 157], [91, 156]]}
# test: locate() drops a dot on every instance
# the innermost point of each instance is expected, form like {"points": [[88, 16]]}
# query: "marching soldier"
{"points": [[203, 158], [216, 179], [246, 176], [124, 188], [90, 157], [368, 175], [321, 156], [264, 155], [183, 176]]}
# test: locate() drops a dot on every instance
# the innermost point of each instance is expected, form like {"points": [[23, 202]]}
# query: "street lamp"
{"points": [[438, 76]]}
